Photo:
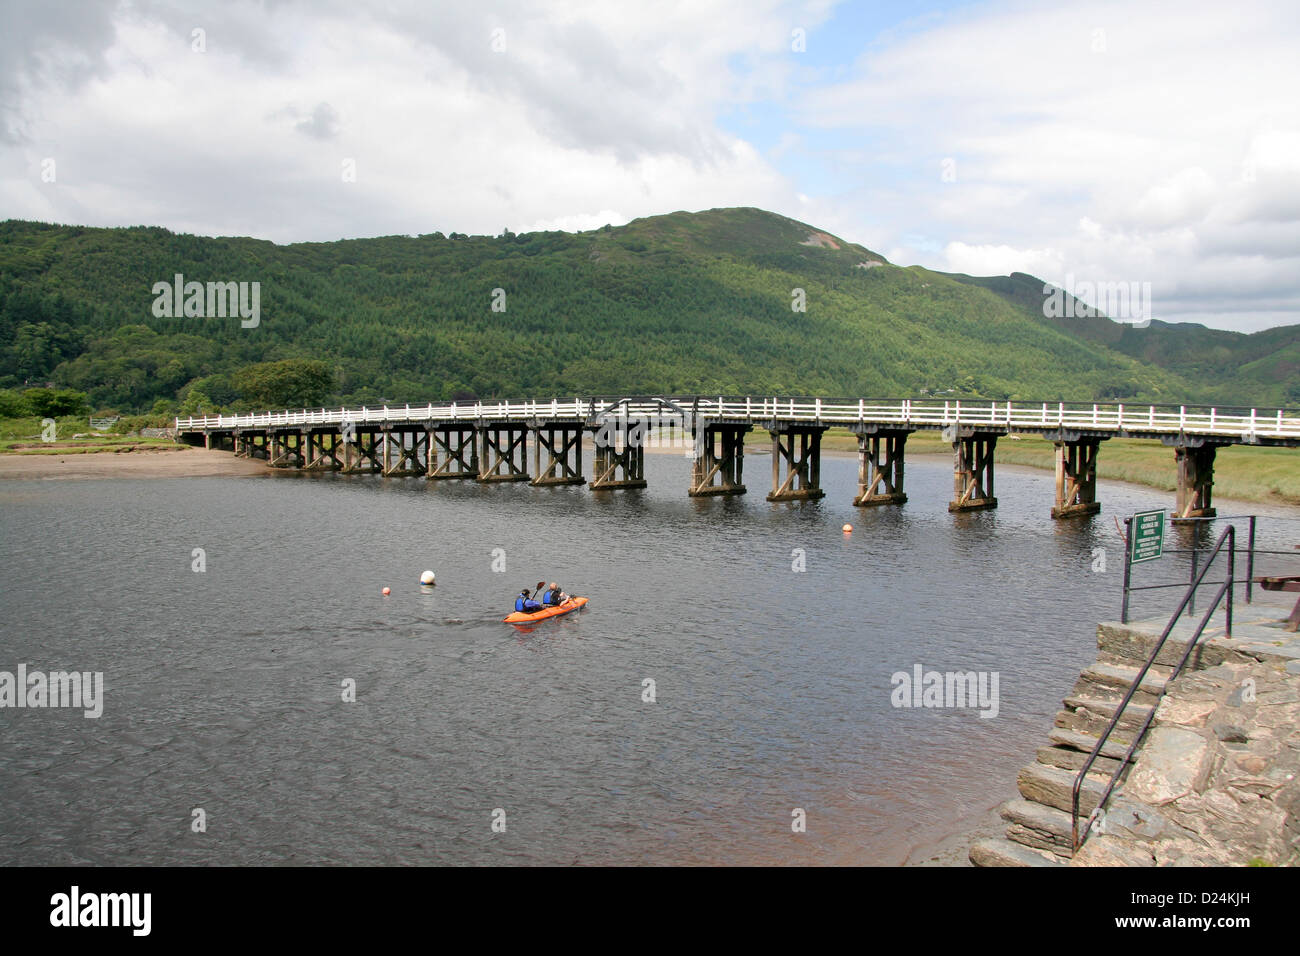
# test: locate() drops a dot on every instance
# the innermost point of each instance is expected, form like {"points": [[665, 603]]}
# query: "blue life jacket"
{"points": [[548, 597], [520, 603]]}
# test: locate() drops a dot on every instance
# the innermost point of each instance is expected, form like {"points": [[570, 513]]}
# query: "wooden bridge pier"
{"points": [[1076, 477], [322, 455], [286, 449], [503, 454], [361, 451], [880, 465], [619, 458], [245, 444], [973, 467], [562, 444], [453, 452], [720, 461], [1195, 461], [401, 451], [799, 448]]}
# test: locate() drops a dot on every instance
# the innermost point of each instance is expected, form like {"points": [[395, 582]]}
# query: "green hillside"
{"points": [[687, 302], [1230, 366]]}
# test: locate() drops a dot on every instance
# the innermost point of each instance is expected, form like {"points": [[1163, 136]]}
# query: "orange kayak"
{"points": [[572, 604]]}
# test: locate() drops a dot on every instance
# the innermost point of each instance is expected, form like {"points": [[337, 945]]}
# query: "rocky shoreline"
{"points": [[1216, 781]]}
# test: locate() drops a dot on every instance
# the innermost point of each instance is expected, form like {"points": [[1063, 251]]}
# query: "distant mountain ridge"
{"points": [[730, 301]]}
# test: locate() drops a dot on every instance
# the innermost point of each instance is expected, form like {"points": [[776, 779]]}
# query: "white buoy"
{"points": [[426, 577], [387, 592]]}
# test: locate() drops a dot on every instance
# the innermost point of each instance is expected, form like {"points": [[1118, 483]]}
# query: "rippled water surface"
{"points": [[223, 689]]}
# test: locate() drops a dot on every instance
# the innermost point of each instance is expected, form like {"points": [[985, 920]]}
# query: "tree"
{"points": [[53, 403], [291, 383], [14, 404]]}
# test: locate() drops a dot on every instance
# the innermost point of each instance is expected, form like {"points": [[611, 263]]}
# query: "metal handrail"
{"points": [[1230, 535]]}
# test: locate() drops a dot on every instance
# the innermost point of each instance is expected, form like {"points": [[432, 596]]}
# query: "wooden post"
{"points": [[617, 466], [504, 455], [972, 468], [455, 447], [880, 466], [726, 465], [1195, 481], [563, 464], [798, 446], [1076, 477]]}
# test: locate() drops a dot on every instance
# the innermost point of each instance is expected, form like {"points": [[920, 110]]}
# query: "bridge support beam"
{"points": [[563, 447], [1195, 481], [880, 466], [321, 454], [972, 485], [1076, 477], [799, 449], [453, 452], [618, 467], [720, 461], [360, 452], [504, 452], [286, 450], [402, 449]]}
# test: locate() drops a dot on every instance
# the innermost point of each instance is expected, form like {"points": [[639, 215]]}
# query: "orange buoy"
{"points": [[387, 592], [847, 529]]}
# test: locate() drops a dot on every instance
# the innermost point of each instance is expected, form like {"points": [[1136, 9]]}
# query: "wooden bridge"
{"points": [[487, 442]]}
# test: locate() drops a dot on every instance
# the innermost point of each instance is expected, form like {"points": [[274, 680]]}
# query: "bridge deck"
{"points": [[488, 442], [1223, 426]]}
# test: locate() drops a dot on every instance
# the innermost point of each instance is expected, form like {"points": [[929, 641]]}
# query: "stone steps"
{"points": [[1111, 681], [1085, 742], [1053, 787], [1134, 714], [1121, 676], [1085, 722], [1039, 827], [1132, 645], [1005, 853], [1071, 759]]}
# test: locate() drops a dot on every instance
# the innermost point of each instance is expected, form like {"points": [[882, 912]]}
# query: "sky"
{"points": [[1101, 142]]}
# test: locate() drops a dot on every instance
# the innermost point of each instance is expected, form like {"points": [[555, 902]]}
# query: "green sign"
{"points": [[1146, 540]]}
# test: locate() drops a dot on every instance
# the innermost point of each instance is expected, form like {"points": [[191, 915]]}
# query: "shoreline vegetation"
{"points": [[1242, 473]]}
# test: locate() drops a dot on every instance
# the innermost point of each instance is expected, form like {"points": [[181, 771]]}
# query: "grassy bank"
{"points": [[72, 436]]}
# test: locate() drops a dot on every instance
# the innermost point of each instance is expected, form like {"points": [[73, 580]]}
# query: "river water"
{"points": [[471, 742]]}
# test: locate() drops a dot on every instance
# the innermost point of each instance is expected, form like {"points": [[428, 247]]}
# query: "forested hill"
{"points": [[688, 302]]}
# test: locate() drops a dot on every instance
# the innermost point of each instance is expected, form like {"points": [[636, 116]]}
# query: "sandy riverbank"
{"points": [[954, 849], [178, 462]]}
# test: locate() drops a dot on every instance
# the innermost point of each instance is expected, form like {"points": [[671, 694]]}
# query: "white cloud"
{"points": [[1000, 260], [587, 107], [1171, 156]]}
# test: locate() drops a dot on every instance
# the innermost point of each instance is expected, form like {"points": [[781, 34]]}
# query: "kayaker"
{"points": [[554, 596], [525, 603]]}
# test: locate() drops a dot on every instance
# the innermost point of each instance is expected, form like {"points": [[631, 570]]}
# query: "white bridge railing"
{"points": [[1241, 424]]}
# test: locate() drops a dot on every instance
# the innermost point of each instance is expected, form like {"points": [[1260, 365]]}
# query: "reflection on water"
{"points": [[771, 686]]}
